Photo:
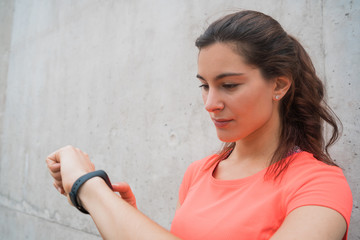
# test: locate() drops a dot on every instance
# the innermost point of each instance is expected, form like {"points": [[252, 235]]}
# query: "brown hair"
{"points": [[262, 42]]}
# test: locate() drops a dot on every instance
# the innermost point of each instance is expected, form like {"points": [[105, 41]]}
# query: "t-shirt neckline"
{"points": [[241, 181]]}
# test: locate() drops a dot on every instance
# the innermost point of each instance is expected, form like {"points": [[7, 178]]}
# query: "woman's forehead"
{"points": [[219, 59]]}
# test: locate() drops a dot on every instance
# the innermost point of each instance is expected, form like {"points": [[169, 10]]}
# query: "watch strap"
{"points": [[80, 181]]}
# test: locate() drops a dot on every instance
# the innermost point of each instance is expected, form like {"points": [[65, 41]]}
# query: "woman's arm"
{"points": [[312, 223], [113, 215]]}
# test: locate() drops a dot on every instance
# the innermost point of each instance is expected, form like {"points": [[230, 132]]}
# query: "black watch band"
{"points": [[80, 181]]}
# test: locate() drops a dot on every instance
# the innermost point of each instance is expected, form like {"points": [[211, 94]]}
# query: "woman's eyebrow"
{"points": [[200, 77], [222, 75]]}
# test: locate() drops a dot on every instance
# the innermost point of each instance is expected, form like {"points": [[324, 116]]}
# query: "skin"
{"points": [[235, 91], [115, 216], [246, 111]]}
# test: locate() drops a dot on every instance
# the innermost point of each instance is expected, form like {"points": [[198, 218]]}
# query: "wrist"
{"points": [[87, 190], [79, 184]]}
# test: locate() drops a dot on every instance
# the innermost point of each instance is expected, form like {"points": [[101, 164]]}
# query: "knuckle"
{"points": [[68, 147]]}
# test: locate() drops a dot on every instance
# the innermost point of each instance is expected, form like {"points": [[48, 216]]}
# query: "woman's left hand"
{"points": [[66, 165]]}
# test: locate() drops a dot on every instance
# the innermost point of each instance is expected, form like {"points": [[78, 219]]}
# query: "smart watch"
{"points": [[80, 181]]}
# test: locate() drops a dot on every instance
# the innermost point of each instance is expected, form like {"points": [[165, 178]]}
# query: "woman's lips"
{"points": [[221, 123]]}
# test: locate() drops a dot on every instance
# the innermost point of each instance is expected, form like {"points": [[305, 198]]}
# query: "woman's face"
{"points": [[238, 99]]}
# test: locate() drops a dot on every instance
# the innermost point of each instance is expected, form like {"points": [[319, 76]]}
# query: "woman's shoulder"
{"points": [[200, 167], [304, 168], [305, 163], [309, 181], [202, 164]]}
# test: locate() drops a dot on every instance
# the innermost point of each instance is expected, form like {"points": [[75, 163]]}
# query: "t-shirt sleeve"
{"points": [[193, 171], [184, 186], [186, 182], [321, 185]]}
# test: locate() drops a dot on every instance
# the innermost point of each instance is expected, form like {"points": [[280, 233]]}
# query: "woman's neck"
{"points": [[259, 147]]}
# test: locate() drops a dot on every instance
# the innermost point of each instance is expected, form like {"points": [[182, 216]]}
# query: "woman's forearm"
{"points": [[114, 217]]}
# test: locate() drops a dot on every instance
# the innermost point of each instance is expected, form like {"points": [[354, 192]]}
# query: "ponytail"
{"points": [[303, 111]]}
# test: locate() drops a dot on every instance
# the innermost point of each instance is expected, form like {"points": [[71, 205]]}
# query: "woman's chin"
{"points": [[227, 139]]}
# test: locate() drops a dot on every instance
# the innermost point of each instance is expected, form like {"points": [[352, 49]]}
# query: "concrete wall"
{"points": [[117, 79]]}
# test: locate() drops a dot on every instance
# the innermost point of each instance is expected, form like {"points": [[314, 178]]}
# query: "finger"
{"points": [[56, 175], [125, 191], [53, 173], [78, 150], [58, 183], [54, 167], [53, 158], [59, 188], [121, 187], [69, 200]]}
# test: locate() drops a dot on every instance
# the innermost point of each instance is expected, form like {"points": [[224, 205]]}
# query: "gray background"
{"points": [[117, 79]]}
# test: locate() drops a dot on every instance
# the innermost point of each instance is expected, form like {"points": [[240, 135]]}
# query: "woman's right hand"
{"points": [[66, 165], [125, 192]]}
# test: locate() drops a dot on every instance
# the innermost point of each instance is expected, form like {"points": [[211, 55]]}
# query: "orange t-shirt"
{"points": [[251, 207]]}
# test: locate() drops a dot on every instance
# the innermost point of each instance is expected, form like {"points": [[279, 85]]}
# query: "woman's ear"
{"points": [[281, 86]]}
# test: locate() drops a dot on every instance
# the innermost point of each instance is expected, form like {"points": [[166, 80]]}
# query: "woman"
{"points": [[273, 178]]}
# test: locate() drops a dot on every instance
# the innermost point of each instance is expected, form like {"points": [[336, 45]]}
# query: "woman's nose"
{"points": [[213, 101]]}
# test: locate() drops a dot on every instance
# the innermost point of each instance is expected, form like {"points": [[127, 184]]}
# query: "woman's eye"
{"points": [[204, 86], [230, 85]]}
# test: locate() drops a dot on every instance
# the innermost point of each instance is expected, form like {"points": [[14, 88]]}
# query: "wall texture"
{"points": [[117, 79]]}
